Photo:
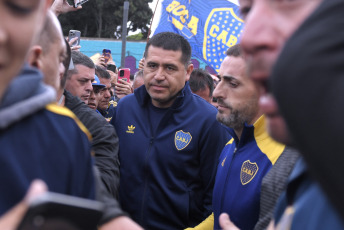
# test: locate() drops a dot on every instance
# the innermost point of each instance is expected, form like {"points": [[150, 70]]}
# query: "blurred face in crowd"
{"points": [[138, 82], [114, 77], [268, 24], [205, 94], [236, 94], [20, 21], [53, 67], [80, 83], [164, 75], [50, 61], [92, 101], [105, 94]]}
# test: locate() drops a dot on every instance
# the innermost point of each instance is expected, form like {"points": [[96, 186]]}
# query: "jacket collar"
{"points": [[257, 131], [72, 101], [143, 97]]}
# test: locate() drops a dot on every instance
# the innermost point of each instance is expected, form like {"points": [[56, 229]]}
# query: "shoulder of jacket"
{"points": [[63, 111]]}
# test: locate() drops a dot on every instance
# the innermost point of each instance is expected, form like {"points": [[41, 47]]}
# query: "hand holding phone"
{"points": [[79, 3], [124, 74], [74, 34]]}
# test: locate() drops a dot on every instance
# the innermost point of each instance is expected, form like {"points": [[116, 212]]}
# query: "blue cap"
{"points": [[96, 82]]}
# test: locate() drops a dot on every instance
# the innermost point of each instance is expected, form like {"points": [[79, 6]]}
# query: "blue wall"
{"points": [[135, 49], [91, 47]]}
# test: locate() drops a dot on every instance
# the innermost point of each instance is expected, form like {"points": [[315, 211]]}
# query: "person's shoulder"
{"points": [[127, 103], [62, 115], [126, 100]]}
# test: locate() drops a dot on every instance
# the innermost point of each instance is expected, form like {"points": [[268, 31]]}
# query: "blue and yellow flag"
{"points": [[211, 27]]}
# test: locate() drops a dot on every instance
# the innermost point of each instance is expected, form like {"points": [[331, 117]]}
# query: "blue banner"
{"points": [[210, 26]]}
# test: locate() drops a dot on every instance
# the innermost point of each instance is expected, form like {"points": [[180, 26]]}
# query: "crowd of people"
{"points": [[256, 147]]}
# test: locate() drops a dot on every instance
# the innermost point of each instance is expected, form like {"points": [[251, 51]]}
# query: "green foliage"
{"points": [[104, 18], [135, 37]]}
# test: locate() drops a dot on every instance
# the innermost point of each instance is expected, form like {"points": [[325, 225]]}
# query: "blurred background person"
{"points": [[138, 79], [94, 97], [202, 84], [105, 93]]}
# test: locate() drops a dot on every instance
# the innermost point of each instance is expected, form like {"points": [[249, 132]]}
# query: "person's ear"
{"points": [[35, 57], [189, 71]]}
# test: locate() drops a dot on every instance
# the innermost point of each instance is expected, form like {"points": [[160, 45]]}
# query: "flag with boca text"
{"points": [[210, 26]]}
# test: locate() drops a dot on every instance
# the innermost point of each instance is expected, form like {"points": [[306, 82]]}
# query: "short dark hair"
{"points": [[199, 79], [79, 58], [102, 73], [234, 51], [171, 41], [112, 68]]}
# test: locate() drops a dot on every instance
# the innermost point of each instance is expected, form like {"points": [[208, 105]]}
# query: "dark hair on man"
{"points": [[49, 34], [79, 58], [199, 79], [102, 73], [112, 68], [234, 51], [171, 41]]}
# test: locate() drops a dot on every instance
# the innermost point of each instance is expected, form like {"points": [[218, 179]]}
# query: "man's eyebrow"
{"points": [[169, 64], [229, 77]]}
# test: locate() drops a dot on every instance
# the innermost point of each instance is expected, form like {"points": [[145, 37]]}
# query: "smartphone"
{"points": [[112, 67], [67, 212], [107, 55], [72, 34], [79, 2], [124, 74]]}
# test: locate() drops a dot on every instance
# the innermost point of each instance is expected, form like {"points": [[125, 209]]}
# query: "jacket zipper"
{"points": [[227, 178], [151, 140]]}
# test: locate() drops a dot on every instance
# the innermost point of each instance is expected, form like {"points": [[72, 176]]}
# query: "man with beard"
{"points": [[249, 155], [267, 27]]}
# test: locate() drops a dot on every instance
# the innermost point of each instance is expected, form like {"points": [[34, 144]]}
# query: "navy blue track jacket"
{"points": [[167, 174], [40, 140]]}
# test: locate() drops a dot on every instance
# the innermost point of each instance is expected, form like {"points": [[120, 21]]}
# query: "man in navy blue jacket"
{"points": [[169, 141]]}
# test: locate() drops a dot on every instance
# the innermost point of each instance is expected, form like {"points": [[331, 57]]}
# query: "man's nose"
{"points": [[89, 86], [160, 74]]}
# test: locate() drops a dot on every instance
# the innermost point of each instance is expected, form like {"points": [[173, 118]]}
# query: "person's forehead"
{"points": [[168, 55], [84, 71], [105, 81], [233, 64], [234, 68]]}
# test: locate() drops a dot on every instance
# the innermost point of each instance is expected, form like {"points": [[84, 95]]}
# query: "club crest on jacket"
{"points": [[182, 139], [248, 172]]}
